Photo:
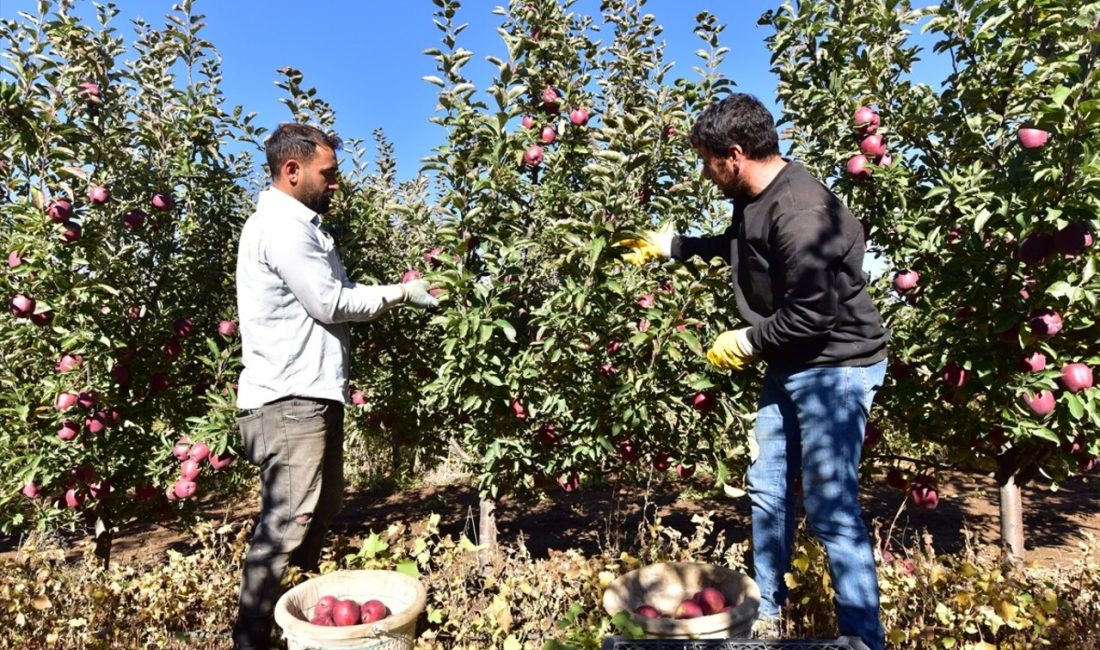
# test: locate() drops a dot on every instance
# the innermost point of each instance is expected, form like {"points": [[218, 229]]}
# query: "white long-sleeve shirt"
{"points": [[293, 298]]}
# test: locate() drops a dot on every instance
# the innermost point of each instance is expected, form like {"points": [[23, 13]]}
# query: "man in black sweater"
{"points": [[796, 255]]}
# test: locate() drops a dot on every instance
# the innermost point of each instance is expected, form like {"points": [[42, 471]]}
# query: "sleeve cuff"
{"points": [[742, 336]]}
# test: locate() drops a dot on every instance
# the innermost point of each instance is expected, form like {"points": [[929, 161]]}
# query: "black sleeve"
{"points": [[684, 248], [809, 247]]}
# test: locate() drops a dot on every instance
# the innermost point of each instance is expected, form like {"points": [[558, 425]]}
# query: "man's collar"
{"points": [[275, 199]]}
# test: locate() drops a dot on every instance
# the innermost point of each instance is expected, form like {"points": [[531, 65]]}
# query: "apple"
{"points": [[906, 280], [866, 116], [533, 156], [1032, 138], [90, 91], [31, 490], [222, 461], [643, 325], [661, 462], [548, 434], [358, 398], [96, 422], [688, 609], [548, 134], [924, 493], [373, 610], [68, 430], [1073, 239], [647, 301], [22, 306], [183, 446], [69, 362], [578, 116], [614, 347], [74, 498], [895, 479], [99, 489], [198, 452], [71, 231], [432, 257], [133, 220], [955, 375], [99, 195], [528, 121], [60, 210], [627, 451], [183, 327], [324, 606], [606, 369], [885, 160], [1037, 248], [162, 201], [668, 132], [1045, 323], [345, 612], [146, 492], [170, 492], [121, 373], [647, 611], [858, 167], [42, 319], [87, 399], [410, 275], [323, 621], [871, 435], [1040, 403], [703, 402], [550, 97], [184, 488], [227, 328], [570, 482], [14, 260], [711, 600], [1034, 362], [685, 471], [1077, 377], [172, 349], [873, 145], [190, 469], [518, 410], [64, 401], [159, 382]]}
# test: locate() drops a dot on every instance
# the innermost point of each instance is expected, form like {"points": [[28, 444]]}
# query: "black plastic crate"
{"points": [[843, 643]]}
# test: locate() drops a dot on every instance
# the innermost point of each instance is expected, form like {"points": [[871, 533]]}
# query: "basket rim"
{"points": [[393, 624]]}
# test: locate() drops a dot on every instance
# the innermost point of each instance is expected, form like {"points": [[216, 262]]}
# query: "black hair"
{"points": [[299, 141], [739, 119]]}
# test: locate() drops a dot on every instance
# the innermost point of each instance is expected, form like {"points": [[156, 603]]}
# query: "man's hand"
{"points": [[654, 244], [731, 350], [416, 294]]}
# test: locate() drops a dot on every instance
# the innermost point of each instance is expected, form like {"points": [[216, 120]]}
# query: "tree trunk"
{"points": [[103, 539], [487, 531], [1012, 520]]}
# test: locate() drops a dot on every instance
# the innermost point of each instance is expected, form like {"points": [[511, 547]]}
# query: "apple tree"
{"points": [[121, 203], [980, 190]]}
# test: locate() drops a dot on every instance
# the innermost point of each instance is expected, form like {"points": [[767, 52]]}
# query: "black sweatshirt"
{"points": [[796, 256]]}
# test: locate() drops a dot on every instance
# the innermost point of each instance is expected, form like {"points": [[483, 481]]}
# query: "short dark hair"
{"points": [[738, 119], [293, 140]]}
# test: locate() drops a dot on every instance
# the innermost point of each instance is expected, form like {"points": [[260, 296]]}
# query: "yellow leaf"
{"points": [[606, 577], [792, 582], [41, 602], [896, 636], [1007, 611], [512, 643], [801, 563]]}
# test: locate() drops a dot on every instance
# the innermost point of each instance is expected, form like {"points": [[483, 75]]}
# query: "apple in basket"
{"points": [[647, 611], [711, 600], [373, 610], [323, 621], [324, 606], [345, 612]]}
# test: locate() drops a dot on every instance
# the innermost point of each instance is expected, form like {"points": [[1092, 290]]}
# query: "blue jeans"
{"points": [[814, 419]]}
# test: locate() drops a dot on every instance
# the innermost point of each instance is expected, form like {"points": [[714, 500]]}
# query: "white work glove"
{"points": [[653, 244], [415, 293]]}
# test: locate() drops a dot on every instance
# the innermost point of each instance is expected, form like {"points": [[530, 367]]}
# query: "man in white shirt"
{"points": [[294, 299]]}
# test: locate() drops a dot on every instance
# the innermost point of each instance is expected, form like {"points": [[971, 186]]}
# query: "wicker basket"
{"points": [[403, 595], [665, 585]]}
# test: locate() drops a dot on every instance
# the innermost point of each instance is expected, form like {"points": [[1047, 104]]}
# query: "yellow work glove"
{"points": [[731, 350], [653, 244]]}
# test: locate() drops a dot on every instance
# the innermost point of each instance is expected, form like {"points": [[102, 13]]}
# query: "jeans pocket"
{"points": [[304, 417], [252, 436]]}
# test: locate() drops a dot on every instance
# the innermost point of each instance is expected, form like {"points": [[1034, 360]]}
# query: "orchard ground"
{"points": [[608, 515]]}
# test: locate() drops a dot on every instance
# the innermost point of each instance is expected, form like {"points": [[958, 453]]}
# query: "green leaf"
{"points": [[409, 568], [373, 546]]}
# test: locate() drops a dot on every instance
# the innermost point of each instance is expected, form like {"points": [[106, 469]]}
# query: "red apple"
{"points": [[550, 97], [42, 318], [71, 231], [145, 492], [60, 210], [703, 402], [1031, 138], [643, 325], [688, 609], [170, 492], [74, 498], [99, 489], [1045, 323], [133, 220], [1037, 248], [858, 167], [895, 479], [578, 116], [69, 362], [89, 90], [1077, 377], [87, 399], [606, 369], [647, 611], [647, 301], [906, 280], [99, 195], [885, 160], [1034, 362], [614, 347], [222, 461], [668, 132], [358, 398], [68, 430], [627, 451], [21, 306], [121, 373], [710, 600], [661, 462], [183, 446], [183, 327], [871, 435], [548, 134], [31, 490], [198, 452], [64, 401], [322, 621], [159, 382], [570, 482], [533, 156], [96, 422], [184, 488], [162, 201], [1073, 239], [924, 493], [1040, 403], [518, 410], [955, 375], [227, 328], [14, 260], [873, 145], [190, 469], [373, 610], [345, 612], [410, 275], [324, 606], [528, 121], [548, 434], [866, 116], [172, 349], [685, 471]]}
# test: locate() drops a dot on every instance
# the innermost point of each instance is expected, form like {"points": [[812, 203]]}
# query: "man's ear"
{"points": [[736, 152], [292, 170]]}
